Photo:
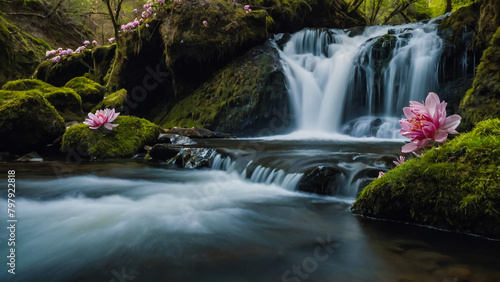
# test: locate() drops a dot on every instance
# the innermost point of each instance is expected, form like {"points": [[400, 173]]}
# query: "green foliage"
{"points": [[27, 121], [114, 100], [455, 187], [125, 140], [66, 101], [482, 101]]}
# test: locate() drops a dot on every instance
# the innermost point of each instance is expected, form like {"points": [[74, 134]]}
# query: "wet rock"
{"points": [[193, 158], [355, 31], [30, 157], [195, 132], [175, 139], [163, 152], [320, 180]]}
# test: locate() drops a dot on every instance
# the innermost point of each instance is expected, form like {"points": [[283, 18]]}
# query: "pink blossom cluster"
{"points": [[426, 124], [147, 12], [247, 8], [56, 55]]}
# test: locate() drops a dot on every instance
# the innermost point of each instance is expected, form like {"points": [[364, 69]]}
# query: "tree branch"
{"points": [[399, 9]]}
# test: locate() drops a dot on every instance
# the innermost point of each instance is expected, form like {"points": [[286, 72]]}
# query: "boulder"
{"points": [[455, 187], [129, 138], [115, 100], [320, 180], [90, 91], [66, 101], [27, 121], [175, 139]]}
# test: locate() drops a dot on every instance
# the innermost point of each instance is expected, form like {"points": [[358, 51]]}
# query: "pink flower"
{"points": [[86, 42], [147, 25], [134, 11], [135, 23], [399, 160], [94, 42], [427, 123], [380, 174], [111, 40], [247, 7], [205, 23], [56, 59], [50, 53], [102, 117]]}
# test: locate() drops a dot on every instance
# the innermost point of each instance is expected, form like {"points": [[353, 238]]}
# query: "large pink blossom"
{"points": [[102, 117], [426, 123]]}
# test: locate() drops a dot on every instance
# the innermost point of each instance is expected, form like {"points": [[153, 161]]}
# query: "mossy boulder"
{"points": [[482, 101], [66, 101], [94, 63], [20, 52], [245, 96], [27, 121], [487, 24], [125, 140], [115, 100], [90, 91], [455, 187]]}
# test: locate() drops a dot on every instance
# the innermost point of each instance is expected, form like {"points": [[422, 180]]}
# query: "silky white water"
{"points": [[358, 85]]}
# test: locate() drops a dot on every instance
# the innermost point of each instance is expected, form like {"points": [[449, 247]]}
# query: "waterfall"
{"points": [[257, 173], [358, 84]]}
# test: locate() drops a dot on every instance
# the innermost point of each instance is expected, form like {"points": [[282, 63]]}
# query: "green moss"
{"points": [[90, 91], [235, 98], [455, 187], [66, 101], [27, 121], [20, 52], [482, 101], [125, 140], [114, 100]]}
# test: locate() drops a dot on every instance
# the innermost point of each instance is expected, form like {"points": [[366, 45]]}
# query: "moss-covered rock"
{"points": [[125, 140], [66, 101], [456, 187], [487, 24], [115, 100], [94, 63], [20, 52], [239, 99], [27, 121], [90, 91], [482, 101]]}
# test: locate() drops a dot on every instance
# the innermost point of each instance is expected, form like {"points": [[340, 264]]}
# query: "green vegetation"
{"points": [[91, 92], [456, 187], [66, 101], [113, 101], [482, 101], [27, 121], [125, 140]]}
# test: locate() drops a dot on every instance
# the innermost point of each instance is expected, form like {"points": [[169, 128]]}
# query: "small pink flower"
{"points": [[102, 117], [380, 174], [399, 160], [111, 40], [134, 11], [246, 8], [205, 23], [135, 23], [94, 42], [86, 42], [56, 59], [426, 123], [147, 25]]}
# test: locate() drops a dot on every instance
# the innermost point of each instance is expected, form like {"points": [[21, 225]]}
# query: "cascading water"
{"points": [[358, 84]]}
